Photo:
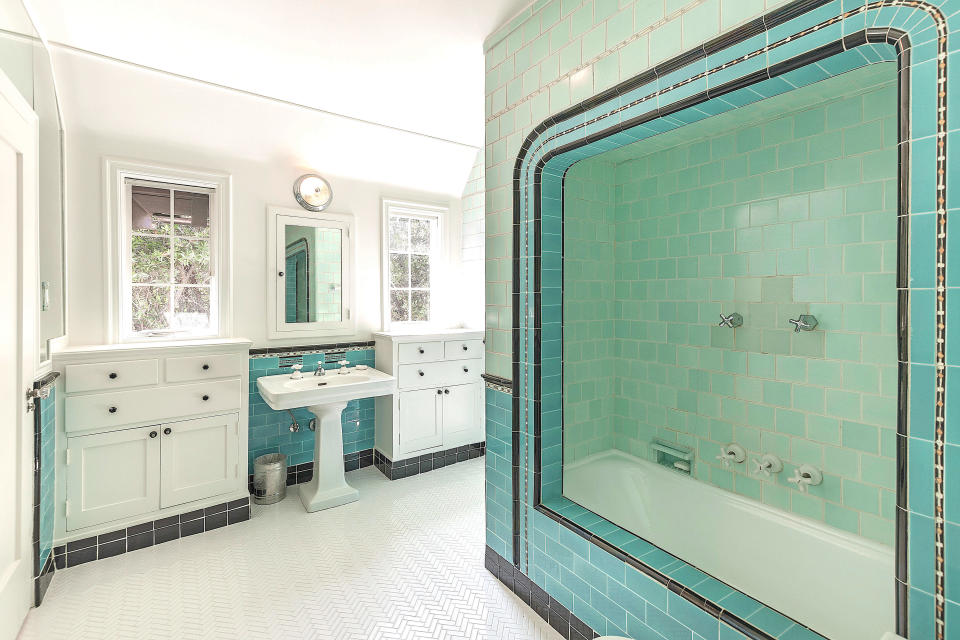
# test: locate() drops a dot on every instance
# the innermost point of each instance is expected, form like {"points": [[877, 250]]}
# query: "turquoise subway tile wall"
{"points": [[555, 54], [499, 476], [794, 213], [47, 454], [588, 329], [269, 429]]}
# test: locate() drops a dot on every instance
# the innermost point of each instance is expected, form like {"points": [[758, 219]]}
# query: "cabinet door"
{"points": [[198, 459], [420, 420], [462, 414], [112, 475]]}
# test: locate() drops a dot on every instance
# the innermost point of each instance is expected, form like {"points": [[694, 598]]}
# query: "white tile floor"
{"points": [[406, 561]]}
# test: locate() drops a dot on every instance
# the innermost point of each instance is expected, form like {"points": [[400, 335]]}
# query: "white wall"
{"points": [[113, 109]]}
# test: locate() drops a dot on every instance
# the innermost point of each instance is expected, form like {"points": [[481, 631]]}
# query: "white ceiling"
{"points": [[412, 64]]}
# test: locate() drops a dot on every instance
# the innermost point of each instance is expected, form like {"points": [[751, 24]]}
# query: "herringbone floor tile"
{"points": [[405, 562]]}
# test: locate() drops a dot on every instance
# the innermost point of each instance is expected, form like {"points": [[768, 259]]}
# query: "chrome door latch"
{"points": [[33, 394]]}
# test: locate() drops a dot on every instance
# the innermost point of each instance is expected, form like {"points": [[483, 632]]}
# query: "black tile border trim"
{"points": [[265, 352], [428, 461], [42, 582], [873, 35], [148, 534], [496, 382], [543, 604], [303, 472]]}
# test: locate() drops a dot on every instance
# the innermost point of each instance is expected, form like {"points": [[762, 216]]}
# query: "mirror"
{"points": [[26, 61], [311, 274]]}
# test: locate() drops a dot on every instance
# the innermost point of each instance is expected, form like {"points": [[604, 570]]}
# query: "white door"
{"points": [[462, 414], [112, 475], [18, 351], [420, 420], [198, 459]]}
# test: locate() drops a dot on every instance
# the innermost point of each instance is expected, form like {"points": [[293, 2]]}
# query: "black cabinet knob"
{"points": [[420, 349], [446, 391], [206, 367], [153, 434], [464, 347], [420, 372], [280, 274], [112, 409], [205, 398], [439, 392], [167, 431], [113, 375], [465, 370]]}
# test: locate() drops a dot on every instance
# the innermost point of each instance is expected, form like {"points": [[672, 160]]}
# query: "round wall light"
{"points": [[313, 192]]}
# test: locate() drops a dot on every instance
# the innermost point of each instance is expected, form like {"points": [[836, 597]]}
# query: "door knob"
{"points": [[280, 274], [439, 392], [153, 434], [447, 391], [167, 431]]}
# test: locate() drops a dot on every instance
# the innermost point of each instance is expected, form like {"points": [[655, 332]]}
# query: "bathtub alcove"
{"points": [[777, 198]]}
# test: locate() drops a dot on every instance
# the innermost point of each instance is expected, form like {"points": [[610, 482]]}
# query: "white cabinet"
{"points": [[149, 431], [198, 458], [439, 403], [112, 475], [421, 415]]}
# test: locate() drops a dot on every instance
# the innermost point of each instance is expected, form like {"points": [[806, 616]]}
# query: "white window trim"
{"points": [[117, 244], [416, 210], [277, 326]]}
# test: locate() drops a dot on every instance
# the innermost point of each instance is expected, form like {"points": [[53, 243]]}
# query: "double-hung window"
{"points": [[412, 250], [170, 256]]}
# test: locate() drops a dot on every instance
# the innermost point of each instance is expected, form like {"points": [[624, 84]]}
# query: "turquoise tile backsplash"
{"points": [[270, 430]]}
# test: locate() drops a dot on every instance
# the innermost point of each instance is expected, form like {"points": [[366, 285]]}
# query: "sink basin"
{"points": [[282, 392], [325, 397]]}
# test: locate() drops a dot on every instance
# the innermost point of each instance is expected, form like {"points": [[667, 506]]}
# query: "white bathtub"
{"points": [[839, 584]]}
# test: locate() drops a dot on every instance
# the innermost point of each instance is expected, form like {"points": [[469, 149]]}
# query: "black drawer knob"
{"points": [[167, 431], [446, 391], [153, 434], [464, 347], [420, 372], [439, 392], [420, 349], [206, 367], [280, 274], [205, 398], [465, 370], [113, 375], [112, 409]]}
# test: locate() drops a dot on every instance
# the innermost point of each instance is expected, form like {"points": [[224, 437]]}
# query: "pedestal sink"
{"points": [[325, 397]]}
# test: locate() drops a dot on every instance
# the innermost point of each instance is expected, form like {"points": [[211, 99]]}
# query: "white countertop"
{"points": [[430, 334], [158, 344]]}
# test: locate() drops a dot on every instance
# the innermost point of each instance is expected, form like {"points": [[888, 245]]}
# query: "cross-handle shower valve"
{"points": [[733, 320], [767, 464], [805, 476], [731, 453], [804, 323]]}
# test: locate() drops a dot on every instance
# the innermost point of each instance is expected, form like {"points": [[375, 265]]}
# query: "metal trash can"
{"points": [[269, 478]]}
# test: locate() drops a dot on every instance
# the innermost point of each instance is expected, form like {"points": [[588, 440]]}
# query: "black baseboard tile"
{"points": [[303, 472], [555, 614], [148, 534], [42, 582], [427, 462]]}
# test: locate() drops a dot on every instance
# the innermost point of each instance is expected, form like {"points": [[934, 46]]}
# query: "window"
{"points": [[169, 252], [412, 247]]}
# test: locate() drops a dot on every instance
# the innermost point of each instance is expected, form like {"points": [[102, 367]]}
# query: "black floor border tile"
{"points": [[552, 612], [426, 462]]}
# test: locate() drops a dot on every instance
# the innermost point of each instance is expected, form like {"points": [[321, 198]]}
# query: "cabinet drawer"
{"points": [[109, 411], [110, 375], [438, 374], [204, 367], [463, 349], [420, 352], [420, 376]]}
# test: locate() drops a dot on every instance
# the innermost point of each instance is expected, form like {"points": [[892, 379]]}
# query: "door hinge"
{"points": [[66, 508], [68, 457], [36, 465], [33, 394]]}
